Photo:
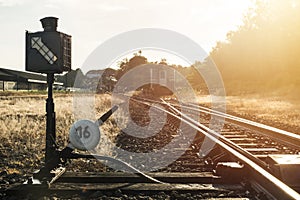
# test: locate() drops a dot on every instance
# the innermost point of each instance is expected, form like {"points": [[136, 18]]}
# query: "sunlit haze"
{"points": [[92, 22]]}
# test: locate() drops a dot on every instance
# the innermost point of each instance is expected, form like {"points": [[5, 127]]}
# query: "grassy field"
{"points": [[22, 123], [276, 111]]}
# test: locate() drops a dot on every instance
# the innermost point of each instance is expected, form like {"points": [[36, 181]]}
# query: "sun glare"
{"points": [[294, 4]]}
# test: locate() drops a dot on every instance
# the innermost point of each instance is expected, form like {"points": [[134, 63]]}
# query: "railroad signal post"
{"points": [[49, 52]]}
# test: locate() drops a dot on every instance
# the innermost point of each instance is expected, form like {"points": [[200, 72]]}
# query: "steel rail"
{"points": [[277, 188], [222, 138], [286, 137]]}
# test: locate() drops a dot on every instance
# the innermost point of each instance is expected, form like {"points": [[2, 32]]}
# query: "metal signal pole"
{"points": [[50, 125]]}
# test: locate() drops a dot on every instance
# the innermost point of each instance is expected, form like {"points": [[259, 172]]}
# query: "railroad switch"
{"points": [[232, 172], [286, 167]]}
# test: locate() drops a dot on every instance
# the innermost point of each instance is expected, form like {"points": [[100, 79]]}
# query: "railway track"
{"points": [[265, 151], [242, 165], [257, 139]]}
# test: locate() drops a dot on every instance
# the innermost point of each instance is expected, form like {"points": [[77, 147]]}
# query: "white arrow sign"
{"points": [[36, 43]]}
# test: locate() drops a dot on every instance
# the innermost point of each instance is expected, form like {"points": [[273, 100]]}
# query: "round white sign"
{"points": [[84, 135]]}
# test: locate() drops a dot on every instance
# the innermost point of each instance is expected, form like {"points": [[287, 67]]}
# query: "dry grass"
{"points": [[22, 123], [274, 111], [21, 133]]}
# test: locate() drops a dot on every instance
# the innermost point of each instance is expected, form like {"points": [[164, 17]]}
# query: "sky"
{"points": [[91, 22]]}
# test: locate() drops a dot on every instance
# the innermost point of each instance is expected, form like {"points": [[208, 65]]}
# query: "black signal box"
{"points": [[48, 51]]}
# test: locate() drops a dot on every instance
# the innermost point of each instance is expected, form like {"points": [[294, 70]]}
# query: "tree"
{"points": [[263, 52], [127, 65]]}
